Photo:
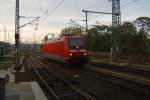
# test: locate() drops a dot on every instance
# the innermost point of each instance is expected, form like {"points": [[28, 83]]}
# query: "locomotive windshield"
{"points": [[76, 42]]}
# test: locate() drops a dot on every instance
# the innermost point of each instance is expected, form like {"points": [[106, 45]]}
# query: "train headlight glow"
{"points": [[85, 54], [70, 54]]}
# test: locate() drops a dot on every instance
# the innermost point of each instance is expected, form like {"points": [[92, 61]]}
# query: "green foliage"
{"points": [[46, 38], [4, 66], [143, 23], [134, 38], [99, 38], [134, 44], [71, 31], [127, 38]]}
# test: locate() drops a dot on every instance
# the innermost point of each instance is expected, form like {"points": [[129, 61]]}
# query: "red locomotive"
{"points": [[68, 49]]}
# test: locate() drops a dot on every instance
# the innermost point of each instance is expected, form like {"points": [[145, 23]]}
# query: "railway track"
{"points": [[124, 76], [137, 75], [132, 69], [121, 78], [55, 87]]}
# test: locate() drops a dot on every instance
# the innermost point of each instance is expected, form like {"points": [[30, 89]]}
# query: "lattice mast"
{"points": [[17, 34], [116, 22]]}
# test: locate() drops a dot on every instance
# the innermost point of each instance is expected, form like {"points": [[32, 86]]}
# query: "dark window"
{"points": [[76, 42]]}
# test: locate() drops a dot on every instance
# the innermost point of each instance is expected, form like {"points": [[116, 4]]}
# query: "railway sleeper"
{"points": [[59, 88], [54, 82], [47, 76], [69, 96], [64, 91]]}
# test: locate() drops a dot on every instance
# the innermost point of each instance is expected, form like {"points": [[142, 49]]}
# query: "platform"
{"points": [[24, 91]]}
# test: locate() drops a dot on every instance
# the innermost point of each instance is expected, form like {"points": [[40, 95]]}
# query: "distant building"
{"points": [[4, 48]]}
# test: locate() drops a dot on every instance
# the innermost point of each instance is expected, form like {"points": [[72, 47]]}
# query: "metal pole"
{"points": [[86, 21], [116, 22], [87, 11], [34, 42], [8, 38], [17, 34], [4, 33]]}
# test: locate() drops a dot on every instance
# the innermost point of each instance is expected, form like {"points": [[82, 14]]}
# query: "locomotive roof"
{"points": [[76, 36], [61, 39]]}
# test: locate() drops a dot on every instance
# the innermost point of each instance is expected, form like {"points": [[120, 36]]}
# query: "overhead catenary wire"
{"points": [[145, 10], [41, 7], [49, 11], [91, 6], [129, 3], [24, 9], [52, 11], [46, 12], [56, 7], [124, 5], [102, 7], [50, 6], [78, 8]]}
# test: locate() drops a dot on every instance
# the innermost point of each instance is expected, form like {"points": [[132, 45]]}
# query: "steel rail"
{"points": [[87, 96], [135, 74], [109, 77], [45, 83], [133, 68], [120, 76]]}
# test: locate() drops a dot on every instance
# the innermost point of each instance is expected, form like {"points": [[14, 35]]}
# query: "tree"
{"points": [[144, 31], [127, 34], [71, 31], [133, 43], [46, 38], [99, 38], [143, 23]]}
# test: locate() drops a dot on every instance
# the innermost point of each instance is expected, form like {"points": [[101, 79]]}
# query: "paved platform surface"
{"points": [[24, 91]]}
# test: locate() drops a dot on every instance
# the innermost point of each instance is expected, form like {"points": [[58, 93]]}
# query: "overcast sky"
{"points": [[54, 17]]}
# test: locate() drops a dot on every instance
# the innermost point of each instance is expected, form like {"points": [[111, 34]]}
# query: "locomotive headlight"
{"points": [[70, 54], [85, 54], [77, 47]]}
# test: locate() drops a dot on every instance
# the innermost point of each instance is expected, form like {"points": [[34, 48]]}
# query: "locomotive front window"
{"points": [[76, 42]]}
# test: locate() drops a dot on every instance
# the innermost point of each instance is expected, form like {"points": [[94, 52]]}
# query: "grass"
{"points": [[5, 66], [6, 63], [105, 58], [99, 57], [100, 60]]}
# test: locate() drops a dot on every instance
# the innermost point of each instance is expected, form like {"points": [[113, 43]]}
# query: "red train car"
{"points": [[68, 49]]}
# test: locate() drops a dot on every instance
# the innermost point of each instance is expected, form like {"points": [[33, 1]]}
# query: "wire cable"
{"points": [[91, 6], [102, 7], [78, 8], [52, 11], [56, 7], [129, 3], [41, 7], [24, 8], [51, 5]]}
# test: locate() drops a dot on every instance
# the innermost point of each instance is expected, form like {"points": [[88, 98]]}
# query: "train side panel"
{"points": [[54, 51], [66, 51]]}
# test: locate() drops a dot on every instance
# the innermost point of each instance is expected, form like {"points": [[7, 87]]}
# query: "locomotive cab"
{"points": [[77, 50]]}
